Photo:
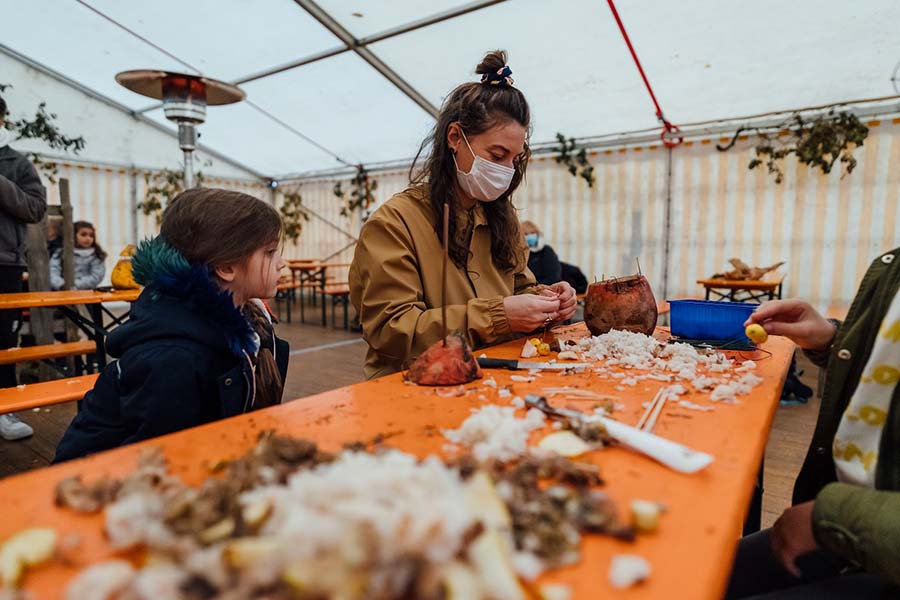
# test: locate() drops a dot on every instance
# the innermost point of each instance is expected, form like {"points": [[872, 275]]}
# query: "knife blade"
{"points": [[514, 365]]}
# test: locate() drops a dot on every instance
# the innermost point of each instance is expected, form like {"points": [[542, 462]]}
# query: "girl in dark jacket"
{"points": [[199, 345]]}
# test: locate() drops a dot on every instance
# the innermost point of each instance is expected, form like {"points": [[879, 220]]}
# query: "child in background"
{"points": [[89, 257], [199, 345]]}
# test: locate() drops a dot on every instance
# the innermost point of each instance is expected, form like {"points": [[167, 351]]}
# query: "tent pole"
{"points": [[667, 232]]}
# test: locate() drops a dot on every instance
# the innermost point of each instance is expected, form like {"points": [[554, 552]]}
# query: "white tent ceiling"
{"points": [[706, 60]]}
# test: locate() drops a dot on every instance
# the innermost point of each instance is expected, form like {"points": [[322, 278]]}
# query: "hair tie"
{"points": [[501, 77]]}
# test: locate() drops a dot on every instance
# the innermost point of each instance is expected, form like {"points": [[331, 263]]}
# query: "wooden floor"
{"points": [[325, 358]]}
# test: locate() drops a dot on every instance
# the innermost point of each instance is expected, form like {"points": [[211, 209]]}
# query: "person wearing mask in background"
{"points": [[542, 259], [23, 200]]}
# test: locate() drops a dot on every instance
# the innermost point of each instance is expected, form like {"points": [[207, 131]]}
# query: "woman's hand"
{"points": [[797, 320], [527, 312], [565, 293]]}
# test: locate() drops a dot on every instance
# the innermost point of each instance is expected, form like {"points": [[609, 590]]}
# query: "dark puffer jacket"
{"points": [[183, 359]]}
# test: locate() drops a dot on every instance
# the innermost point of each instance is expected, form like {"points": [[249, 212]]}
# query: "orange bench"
{"points": [[35, 395], [46, 352]]}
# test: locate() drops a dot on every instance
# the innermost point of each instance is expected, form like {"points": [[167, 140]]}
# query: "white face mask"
{"points": [[486, 180]]}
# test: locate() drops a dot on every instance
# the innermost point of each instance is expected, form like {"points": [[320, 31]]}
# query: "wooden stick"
{"points": [[643, 420], [651, 422], [444, 274]]}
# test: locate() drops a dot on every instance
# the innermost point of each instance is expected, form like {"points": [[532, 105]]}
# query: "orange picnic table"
{"points": [[742, 290], [690, 554], [316, 272], [64, 300]]}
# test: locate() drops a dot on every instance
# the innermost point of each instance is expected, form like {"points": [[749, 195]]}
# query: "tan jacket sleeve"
{"points": [[386, 290], [526, 283]]}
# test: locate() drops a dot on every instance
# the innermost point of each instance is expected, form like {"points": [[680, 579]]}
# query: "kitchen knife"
{"points": [[513, 365]]}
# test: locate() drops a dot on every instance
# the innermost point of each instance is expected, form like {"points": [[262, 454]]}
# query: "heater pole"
{"points": [[187, 140], [188, 169]]}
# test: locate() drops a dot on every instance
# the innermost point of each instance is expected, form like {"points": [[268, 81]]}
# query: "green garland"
{"points": [[360, 195], [293, 215], [43, 127], [161, 187], [822, 142], [576, 163]]}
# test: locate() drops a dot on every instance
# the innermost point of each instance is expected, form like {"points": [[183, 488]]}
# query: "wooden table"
{"points": [[738, 290], [20, 300], [313, 271], [64, 300], [690, 554]]}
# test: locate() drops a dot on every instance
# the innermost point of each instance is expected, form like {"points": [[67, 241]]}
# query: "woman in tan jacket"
{"points": [[479, 153]]}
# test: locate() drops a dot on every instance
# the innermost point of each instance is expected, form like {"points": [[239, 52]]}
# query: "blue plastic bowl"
{"points": [[709, 320]]}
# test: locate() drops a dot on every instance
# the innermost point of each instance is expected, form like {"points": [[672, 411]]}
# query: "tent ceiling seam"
{"points": [[256, 107], [365, 41], [330, 23]]}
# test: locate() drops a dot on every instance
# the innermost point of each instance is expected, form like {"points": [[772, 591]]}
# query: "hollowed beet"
{"points": [[625, 304], [450, 364]]}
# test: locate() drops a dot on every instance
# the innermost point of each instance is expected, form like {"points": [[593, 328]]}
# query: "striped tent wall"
{"points": [[826, 228], [328, 234], [605, 228]]}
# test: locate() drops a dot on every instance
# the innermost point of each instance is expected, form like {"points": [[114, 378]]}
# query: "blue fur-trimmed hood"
{"points": [[181, 300]]}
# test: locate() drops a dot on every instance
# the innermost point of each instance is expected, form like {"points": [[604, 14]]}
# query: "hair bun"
{"points": [[494, 70]]}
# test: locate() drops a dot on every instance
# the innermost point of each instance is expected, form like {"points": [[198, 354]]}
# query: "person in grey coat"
{"points": [[89, 257], [23, 200]]}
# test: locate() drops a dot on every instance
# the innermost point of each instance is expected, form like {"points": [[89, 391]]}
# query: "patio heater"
{"points": [[185, 98]]}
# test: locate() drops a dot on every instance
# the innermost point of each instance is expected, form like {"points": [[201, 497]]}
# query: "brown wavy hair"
{"points": [[477, 107], [219, 228]]}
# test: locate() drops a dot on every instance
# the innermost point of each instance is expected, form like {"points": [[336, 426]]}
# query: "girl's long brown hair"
{"points": [[221, 228], [477, 107]]}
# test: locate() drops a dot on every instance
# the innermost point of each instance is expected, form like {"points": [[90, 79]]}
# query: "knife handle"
{"points": [[498, 363]]}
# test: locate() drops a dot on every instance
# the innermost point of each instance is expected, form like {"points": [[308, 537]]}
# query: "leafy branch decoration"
{"points": [[574, 159], [162, 187], [293, 215], [43, 127], [360, 195], [821, 142]]}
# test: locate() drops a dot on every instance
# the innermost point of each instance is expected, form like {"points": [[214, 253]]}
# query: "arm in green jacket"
{"points": [[861, 525]]}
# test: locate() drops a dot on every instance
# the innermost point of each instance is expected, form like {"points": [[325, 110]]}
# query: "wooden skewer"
{"points": [[646, 416], [444, 274], [651, 422]]}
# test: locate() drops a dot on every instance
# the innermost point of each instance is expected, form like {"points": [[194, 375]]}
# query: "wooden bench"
{"points": [[47, 352], [286, 292], [339, 294], [36, 395]]}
